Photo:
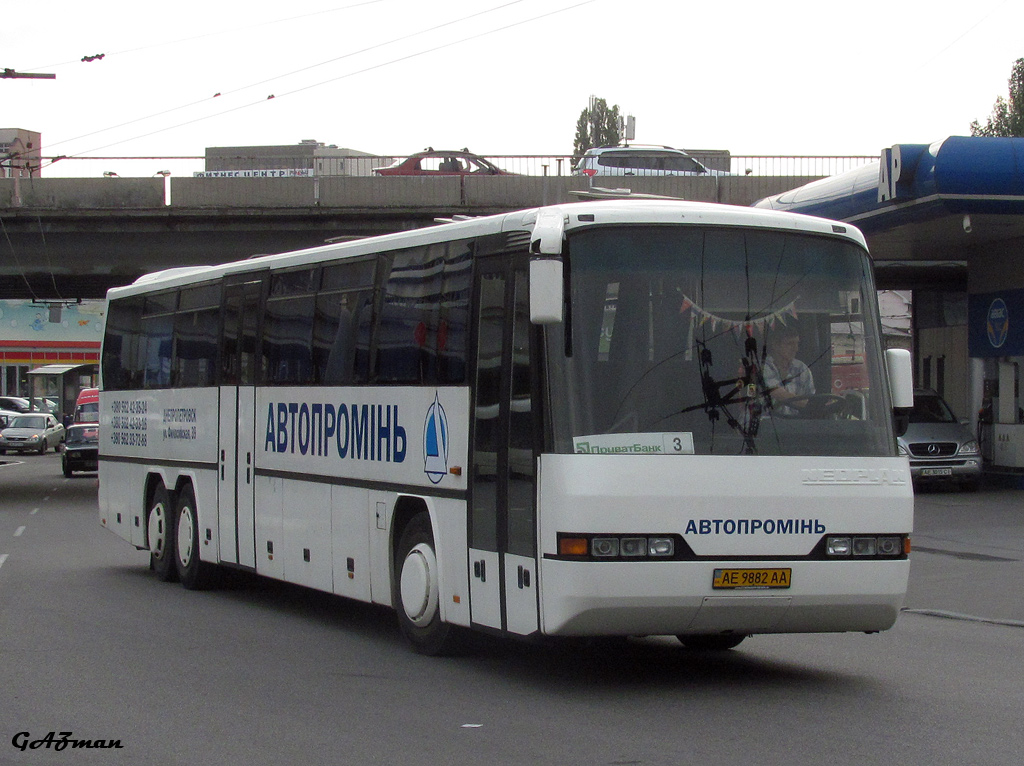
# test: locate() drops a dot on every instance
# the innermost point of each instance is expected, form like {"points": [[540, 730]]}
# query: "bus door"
{"points": [[237, 448], [502, 523]]}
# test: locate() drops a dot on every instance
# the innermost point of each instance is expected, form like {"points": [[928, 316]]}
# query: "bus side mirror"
{"points": [[901, 378], [546, 292], [901, 386]]}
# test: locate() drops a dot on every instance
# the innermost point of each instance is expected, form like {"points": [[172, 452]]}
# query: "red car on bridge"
{"points": [[431, 162]]}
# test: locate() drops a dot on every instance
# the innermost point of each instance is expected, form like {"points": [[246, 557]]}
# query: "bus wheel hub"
{"points": [[419, 584]]}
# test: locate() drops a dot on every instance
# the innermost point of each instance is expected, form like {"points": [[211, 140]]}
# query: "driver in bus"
{"points": [[788, 379]]}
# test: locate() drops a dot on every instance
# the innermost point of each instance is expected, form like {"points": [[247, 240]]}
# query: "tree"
{"points": [[1007, 119], [598, 125]]}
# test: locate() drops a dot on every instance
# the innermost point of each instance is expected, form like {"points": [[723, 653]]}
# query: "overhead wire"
{"points": [[381, 65], [232, 30], [964, 34], [221, 94], [434, 28]]}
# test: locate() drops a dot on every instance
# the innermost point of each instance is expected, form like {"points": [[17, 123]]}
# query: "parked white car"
{"points": [[640, 161], [32, 432]]}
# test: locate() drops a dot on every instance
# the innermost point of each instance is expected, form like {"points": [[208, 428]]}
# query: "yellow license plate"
{"points": [[752, 578]]}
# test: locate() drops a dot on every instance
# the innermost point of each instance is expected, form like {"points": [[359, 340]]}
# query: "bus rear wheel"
{"points": [[417, 599], [194, 573], [160, 535], [720, 643]]}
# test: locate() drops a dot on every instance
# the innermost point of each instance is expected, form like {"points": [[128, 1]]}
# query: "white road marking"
{"points": [[18, 531], [3, 558]]}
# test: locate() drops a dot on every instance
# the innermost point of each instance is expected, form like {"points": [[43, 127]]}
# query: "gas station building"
{"points": [[947, 220]]}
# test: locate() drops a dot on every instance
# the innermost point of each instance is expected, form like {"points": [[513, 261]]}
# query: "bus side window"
{"points": [[342, 324], [196, 328], [239, 343], [195, 348], [334, 352], [121, 364], [287, 331], [421, 330], [288, 328], [156, 346]]}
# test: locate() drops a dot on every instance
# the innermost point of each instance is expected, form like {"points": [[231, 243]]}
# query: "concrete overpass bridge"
{"points": [[73, 238]]}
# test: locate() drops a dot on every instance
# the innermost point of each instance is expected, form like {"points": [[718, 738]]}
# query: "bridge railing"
{"points": [[343, 165], [349, 182]]}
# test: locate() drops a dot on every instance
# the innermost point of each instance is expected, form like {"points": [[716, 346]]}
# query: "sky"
{"points": [[500, 77]]}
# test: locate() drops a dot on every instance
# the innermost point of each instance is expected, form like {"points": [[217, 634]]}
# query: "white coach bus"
{"points": [[579, 420]]}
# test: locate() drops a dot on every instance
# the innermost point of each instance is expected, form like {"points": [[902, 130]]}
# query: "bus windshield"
{"points": [[717, 341]]}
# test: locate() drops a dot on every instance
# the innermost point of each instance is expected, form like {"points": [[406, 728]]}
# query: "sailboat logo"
{"points": [[435, 442]]}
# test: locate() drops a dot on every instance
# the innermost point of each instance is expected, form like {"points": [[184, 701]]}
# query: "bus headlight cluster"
{"points": [[618, 546], [866, 545]]}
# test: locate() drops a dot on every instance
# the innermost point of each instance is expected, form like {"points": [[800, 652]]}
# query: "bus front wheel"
{"points": [[417, 599], [193, 573], [160, 534]]}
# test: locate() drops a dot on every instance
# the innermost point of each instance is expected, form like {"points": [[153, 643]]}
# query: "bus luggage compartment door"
{"points": [[521, 594], [485, 588]]}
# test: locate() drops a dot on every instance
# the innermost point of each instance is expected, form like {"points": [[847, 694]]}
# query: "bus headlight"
{"points": [[604, 547], [661, 546], [864, 546], [633, 546], [890, 546], [838, 546]]}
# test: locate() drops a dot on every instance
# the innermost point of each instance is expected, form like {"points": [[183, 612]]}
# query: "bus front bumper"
{"points": [[674, 598]]}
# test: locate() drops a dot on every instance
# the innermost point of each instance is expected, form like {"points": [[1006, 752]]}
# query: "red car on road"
{"points": [[431, 162]]}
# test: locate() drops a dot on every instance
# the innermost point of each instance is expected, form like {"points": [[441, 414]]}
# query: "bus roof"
{"points": [[576, 214]]}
